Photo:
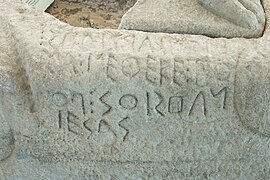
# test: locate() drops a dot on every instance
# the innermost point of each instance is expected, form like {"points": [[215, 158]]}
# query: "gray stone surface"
{"points": [[6, 141], [108, 104], [245, 13], [214, 18]]}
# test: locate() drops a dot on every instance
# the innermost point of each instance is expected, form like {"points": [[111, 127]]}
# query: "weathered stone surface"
{"points": [[214, 18], [102, 104], [6, 140], [245, 13], [100, 3]]}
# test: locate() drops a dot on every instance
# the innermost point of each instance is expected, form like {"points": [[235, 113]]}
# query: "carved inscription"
{"points": [[153, 74], [60, 117], [102, 99], [59, 99], [128, 101], [223, 92], [86, 113], [122, 125], [175, 104], [104, 125], [148, 104], [161, 101], [179, 72], [162, 71], [112, 69], [74, 123], [199, 97], [79, 99], [83, 65], [130, 67], [84, 121]]}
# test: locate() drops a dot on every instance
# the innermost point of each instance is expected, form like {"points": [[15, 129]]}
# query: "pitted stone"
{"points": [[102, 104], [232, 18]]}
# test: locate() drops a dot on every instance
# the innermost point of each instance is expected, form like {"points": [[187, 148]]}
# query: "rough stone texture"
{"points": [[6, 140], [100, 3], [214, 18], [245, 13], [109, 104]]}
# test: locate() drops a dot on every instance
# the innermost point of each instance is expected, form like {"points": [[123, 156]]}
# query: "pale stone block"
{"points": [[214, 18], [101, 104]]}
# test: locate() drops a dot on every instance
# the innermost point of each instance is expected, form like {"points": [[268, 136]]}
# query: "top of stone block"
{"points": [[205, 17]]}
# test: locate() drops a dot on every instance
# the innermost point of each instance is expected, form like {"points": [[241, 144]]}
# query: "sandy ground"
{"points": [[98, 15]]}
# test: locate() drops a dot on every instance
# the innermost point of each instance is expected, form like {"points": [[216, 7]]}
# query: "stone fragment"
{"points": [[214, 18], [82, 103], [245, 13]]}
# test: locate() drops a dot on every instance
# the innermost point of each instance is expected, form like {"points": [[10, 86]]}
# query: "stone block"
{"points": [[212, 18], [81, 103]]}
